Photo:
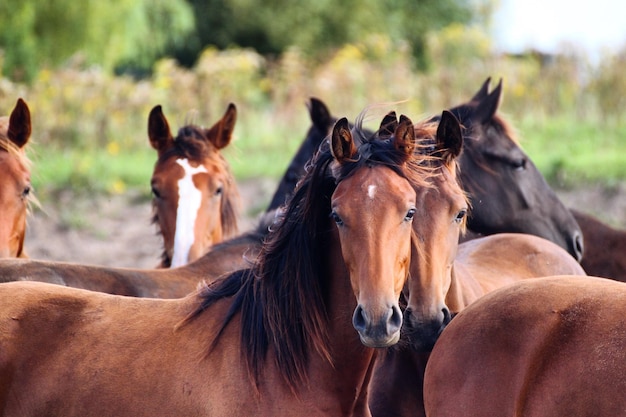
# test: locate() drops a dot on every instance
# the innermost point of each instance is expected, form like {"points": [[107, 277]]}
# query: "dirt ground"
{"points": [[116, 230]]}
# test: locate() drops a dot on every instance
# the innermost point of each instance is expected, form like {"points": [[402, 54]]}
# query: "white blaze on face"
{"points": [[189, 200], [371, 191]]}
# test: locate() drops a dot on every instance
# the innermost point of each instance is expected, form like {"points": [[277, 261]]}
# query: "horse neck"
{"points": [[345, 380]]}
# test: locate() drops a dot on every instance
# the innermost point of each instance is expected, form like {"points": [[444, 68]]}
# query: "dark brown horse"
{"points": [[15, 188], [605, 247], [507, 191], [322, 123], [544, 347], [277, 339], [446, 277], [195, 197]]}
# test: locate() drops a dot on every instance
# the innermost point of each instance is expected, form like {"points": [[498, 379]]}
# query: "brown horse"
{"points": [[550, 346], [605, 247], [195, 197], [446, 277], [15, 188], [277, 339]]}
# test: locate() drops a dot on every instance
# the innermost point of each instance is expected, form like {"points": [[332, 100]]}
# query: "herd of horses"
{"points": [[425, 268]]}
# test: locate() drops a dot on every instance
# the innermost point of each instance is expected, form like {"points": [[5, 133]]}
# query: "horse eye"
{"points": [[26, 191], [519, 164], [219, 190], [336, 218], [460, 216], [409, 215], [156, 192]]}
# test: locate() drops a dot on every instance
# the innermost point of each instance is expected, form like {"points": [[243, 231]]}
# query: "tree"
{"points": [[317, 26], [43, 33]]}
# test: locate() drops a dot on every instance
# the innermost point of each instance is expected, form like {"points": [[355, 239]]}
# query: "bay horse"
{"points": [[195, 197], [15, 186], [550, 346], [446, 276], [277, 339]]}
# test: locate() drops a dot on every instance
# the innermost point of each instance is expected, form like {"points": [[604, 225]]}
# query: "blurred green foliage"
{"points": [[90, 126], [130, 35], [42, 34]]}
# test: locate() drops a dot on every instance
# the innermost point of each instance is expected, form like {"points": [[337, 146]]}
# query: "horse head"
{"points": [[194, 192]]}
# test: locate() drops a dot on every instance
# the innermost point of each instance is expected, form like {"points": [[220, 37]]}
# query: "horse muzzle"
{"points": [[378, 332]]}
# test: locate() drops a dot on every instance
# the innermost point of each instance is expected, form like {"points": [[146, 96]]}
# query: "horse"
{"points": [[15, 186], [507, 192], [276, 339], [550, 346], [492, 162], [446, 276], [604, 247], [195, 197]]}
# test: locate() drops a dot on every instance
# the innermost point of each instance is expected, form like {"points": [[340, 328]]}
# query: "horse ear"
{"points": [[449, 137], [159, 130], [341, 141], [388, 125], [488, 106], [19, 124], [221, 133], [484, 90], [320, 115], [404, 136]]}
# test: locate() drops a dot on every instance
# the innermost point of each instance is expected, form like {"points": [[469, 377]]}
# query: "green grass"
{"points": [[259, 149], [565, 150], [569, 151]]}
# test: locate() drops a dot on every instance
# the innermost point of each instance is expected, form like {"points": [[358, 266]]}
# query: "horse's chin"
{"points": [[379, 343]]}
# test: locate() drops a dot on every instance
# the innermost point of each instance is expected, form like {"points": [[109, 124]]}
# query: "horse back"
{"points": [[547, 346]]}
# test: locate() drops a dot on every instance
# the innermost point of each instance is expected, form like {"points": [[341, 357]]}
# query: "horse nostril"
{"points": [[395, 320], [446, 316], [359, 321], [578, 246]]}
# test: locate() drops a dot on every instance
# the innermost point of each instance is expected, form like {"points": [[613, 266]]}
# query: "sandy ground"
{"points": [[116, 230]]}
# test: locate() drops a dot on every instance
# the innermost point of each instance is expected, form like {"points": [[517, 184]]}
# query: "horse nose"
{"points": [[577, 246], [422, 333], [381, 333]]}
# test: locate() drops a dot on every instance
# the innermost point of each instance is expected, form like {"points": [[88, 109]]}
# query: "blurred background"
{"points": [[91, 71]]}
